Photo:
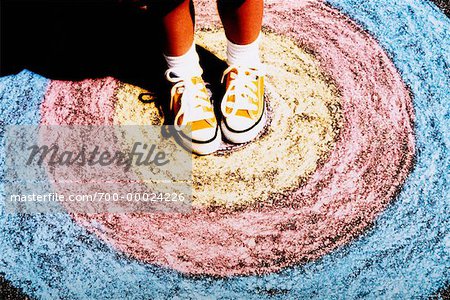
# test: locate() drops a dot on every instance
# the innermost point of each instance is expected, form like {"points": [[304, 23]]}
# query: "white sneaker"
{"points": [[195, 121], [243, 106]]}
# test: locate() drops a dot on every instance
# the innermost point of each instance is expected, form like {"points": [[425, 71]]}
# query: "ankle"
{"points": [[186, 65], [244, 55]]}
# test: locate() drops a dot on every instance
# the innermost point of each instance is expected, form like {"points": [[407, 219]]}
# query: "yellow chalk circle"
{"points": [[305, 122]]}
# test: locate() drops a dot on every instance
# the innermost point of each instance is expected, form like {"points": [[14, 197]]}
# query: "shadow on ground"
{"points": [[75, 40]]}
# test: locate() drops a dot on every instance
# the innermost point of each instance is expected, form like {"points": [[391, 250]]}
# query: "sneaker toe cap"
{"points": [[238, 123], [204, 135]]}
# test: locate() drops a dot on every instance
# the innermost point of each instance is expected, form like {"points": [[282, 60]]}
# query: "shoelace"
{"points": [[193, 101], [244, 89]]}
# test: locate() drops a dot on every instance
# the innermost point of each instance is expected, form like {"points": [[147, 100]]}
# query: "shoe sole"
{"points": [[202, 148], [242, 137]]}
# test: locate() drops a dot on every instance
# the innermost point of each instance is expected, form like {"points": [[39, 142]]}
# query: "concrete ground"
{"points": [[8, 292]]}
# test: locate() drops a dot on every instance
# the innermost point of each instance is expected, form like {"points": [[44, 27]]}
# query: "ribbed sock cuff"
{"points": [[244, 55], [186, 65]]}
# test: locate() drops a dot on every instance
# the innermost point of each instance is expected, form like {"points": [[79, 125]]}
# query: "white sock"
{"points": [[244, 55], [186, 65]]}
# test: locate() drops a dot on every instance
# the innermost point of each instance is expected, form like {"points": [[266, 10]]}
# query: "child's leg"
{"points": [[178, 24], [242, 20], [190, 103], [177, 18], [243, 106]]}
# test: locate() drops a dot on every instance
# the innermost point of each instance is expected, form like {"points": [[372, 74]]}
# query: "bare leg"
{"points": [[242, 19], [178, 26]]}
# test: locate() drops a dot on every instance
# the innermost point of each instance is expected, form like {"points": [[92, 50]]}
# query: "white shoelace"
{"points": [[243, 88], [193, 101]]}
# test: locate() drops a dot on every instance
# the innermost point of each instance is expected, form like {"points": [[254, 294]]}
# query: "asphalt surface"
{"points": [[9, 292]]}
